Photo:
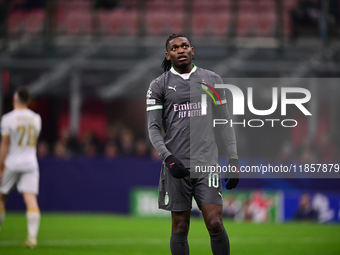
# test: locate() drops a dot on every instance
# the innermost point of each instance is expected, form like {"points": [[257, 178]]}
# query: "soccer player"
{"points": [[20, 129], [173, 102]]}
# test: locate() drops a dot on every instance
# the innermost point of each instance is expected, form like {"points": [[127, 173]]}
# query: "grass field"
{"points": [[111, 234]]}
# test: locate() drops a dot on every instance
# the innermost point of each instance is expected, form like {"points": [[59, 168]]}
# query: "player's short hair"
{"points": [[23, 95], [173, 36], [166, 64]]}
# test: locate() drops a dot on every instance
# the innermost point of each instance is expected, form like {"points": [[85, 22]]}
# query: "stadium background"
{"points": [[88, 65]]}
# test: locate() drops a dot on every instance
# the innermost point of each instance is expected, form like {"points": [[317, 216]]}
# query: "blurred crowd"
{"points": [[312, 208], [260, 207], [313, 16], [120, 141], [311, 150]]}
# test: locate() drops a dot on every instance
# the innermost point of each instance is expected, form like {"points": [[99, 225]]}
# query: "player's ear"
{"points": [[192, 51], [167, 55]]}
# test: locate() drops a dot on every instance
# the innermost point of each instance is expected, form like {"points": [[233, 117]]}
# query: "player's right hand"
{"points": [[176, 167]]}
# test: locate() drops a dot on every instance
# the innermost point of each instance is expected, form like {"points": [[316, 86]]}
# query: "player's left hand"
{"points": [[176, 167], [232, 176]]}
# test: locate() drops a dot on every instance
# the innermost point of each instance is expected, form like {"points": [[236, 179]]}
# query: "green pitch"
{"points": [[111, 234]]}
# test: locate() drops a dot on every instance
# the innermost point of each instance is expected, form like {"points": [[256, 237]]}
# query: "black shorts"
{"points": [[176, 194]]}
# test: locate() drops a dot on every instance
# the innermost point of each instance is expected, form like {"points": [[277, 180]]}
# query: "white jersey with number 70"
{"points": [[23, 127]]}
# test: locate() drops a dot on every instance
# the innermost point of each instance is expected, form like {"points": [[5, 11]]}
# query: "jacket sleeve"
{"points": [[221, 111], [226, 130], [154, 108]]}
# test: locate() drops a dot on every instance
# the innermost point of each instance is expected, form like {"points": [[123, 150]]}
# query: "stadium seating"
{"points": [[288, 6], [206, 24], [206, 6], [164, 23], [247, 23], [34, 22], [16, 22], [75, 17], [118, 22], [266, 24], [78, 22], [165, 6]]}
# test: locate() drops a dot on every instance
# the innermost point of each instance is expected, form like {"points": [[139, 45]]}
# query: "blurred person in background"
{"points": [[90, 150], [127, 142], [142, 149], [69, 141], [307, 152], [112, 143], [42, 149], [286, 153], [176, 187], [305, 15], [20, 129], [60, 151], [259, 206], [111, 150], [307, 157], [90, 144], [112, 133], [305, 210], [315, 16], [326, 149]]}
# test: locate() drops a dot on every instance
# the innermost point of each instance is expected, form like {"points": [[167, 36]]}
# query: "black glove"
{"points": [[176, 167], [231, 177]]}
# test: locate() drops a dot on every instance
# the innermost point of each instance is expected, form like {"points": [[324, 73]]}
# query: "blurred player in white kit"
{"points": [[20, 129]]}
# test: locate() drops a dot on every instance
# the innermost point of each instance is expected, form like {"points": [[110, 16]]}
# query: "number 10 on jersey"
{"points": [[214, 180]]}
